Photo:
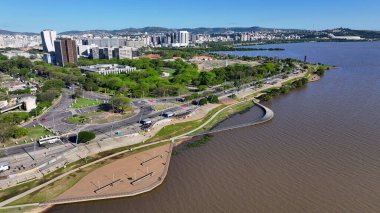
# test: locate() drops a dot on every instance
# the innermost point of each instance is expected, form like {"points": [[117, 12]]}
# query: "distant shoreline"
{"points": [[250, 44]]}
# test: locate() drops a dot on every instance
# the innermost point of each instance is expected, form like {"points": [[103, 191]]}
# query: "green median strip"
{"points": [[173, 130], [85, 102]]}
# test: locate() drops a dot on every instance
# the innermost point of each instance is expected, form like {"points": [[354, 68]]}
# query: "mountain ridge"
{"points": [[206, 30]]}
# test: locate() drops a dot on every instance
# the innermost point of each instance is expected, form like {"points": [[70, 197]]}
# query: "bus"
{"points": [[49, 140]]}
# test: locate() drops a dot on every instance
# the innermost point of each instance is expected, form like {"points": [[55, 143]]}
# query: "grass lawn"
{"points": [[226, 113], [81, 119], [181, 128], [33, 133], [15, 190], [36, 132], [58, 187], [84, 102], [22, 209]]}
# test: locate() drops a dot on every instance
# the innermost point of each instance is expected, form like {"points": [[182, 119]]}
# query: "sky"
{"points": [[36, 15]]}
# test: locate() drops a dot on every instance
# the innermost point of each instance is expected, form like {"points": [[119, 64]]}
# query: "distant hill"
{"points": [[6, 32], [208, 30], [367, 34], [122, 31]]}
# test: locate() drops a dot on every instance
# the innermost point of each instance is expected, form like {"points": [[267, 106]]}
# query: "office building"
{"points": [[106, 53], [94, 53], [48, 58], [85, 50], [65, 51], [106, 42], [48, 37], [125, 52], [184, 38]]}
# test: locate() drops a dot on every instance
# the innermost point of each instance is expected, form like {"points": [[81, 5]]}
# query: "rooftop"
{"points": [[108, 68]]}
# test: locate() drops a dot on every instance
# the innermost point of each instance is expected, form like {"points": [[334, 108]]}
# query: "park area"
{"points": [[34, 133], [126, 174]]}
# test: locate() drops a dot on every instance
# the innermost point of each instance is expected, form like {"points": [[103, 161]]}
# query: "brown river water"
{"points": [[320, 153]]}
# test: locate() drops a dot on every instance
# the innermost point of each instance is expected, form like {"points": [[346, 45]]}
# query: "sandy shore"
{"points": [[314, 78]]}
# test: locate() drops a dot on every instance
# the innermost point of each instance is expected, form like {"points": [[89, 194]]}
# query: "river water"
{"points": [[320, 153]]}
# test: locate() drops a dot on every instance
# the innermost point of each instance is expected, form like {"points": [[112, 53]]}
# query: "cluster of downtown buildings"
{"points": [[64, 50]]}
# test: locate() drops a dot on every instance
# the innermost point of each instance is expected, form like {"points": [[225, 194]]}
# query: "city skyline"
{"points": [[276, 14]]}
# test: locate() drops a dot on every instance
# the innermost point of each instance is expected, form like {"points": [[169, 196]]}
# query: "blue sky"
{"points": [[35, 15]]}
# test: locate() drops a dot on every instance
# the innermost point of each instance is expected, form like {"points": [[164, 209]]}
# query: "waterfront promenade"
{"points": [[132, 175], [97, 148], [268, 115]]}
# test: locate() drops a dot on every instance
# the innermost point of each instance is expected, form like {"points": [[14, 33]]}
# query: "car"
{"points": [[195, 102], [181, 99], [168, 114], [146, 121], [4, 166]]}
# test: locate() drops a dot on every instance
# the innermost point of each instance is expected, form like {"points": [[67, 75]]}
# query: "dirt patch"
{"points": [[122, 173], [314, 78], [227, 101]]}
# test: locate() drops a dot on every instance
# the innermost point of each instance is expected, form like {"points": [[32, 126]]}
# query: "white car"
{"points": [[4, 166]]}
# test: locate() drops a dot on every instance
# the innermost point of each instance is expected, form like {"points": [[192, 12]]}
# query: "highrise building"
{"points": [[65, 51], [194, 38], [94, 52], [107, 53], [48, 58], [125, 52], [184, 38], [48, 37]]}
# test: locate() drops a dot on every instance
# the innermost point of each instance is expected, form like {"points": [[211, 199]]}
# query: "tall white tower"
{"points": [[48, 38], [184, 38]]}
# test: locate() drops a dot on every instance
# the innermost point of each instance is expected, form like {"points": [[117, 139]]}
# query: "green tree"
{"points": [[56, 84], [265, 97], [320, 71], [284, 90], [17, 132], [14, 118], [48, 95], [84, 137], [213, 99], [3, 57], [207, 78], [120, 103], [203, 101], [77, 93]]}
